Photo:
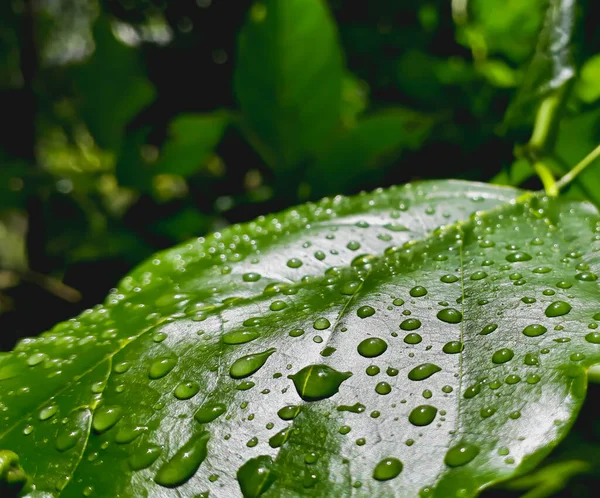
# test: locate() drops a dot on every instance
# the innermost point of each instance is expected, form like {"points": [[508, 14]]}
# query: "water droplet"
{"points": [[277, 305], [410, 324], [209, 412], [383, 388], [36, 359], [450, 315], [422, 415], [412, 338], [239, 337], [350, 288], [256, 476], [488, 329], [294, 263], [281, 437], [478, 275], [453, 347], [129, 433], [344, 429], [472, 391], [372, 347], [247, 365], [577, 357], [48, 412], [68, 437], [461, 454], [161, 367], [321, 324], [186, 390], [353, 245], [586, 276], [106, 417], [515, 257], [531, 360], [534, 330], [563, 284], [315, 382], [513, 379], [356, 408], [184, 463], [289, 412], [557, 308], [487, 411], [449, 279], [372, 370], [418, 291], [528, 300], [396, 227], [392, 372], [398, 302], [387, 469], [122, 367], [593, 337], [251, 277], [365, 311], [296, 332], [503, 355], [424, 371], [144, 457]]}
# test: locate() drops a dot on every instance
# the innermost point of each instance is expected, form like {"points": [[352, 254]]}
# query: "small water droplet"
{"points": [[161, 367], [449, 279], [289, 412], [423, 371], [422, 415], [372, 347], [249, 364], [256, 476], [515, 257], [412, 338], [144, 457], [503, 355], [418, 291], [410, 324], [106, 417], [383, 388], [453, 347], [321, 324], [461, 454], [186, 390], [387, 469], [365, 311], [534, 330], [209, 412]]}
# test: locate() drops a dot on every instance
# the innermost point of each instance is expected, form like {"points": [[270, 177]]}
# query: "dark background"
{"points": [[122, 131]]}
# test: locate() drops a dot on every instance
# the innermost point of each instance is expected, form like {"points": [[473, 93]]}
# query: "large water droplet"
{"points": [[424, 371], [239, 337], [184, 463], [461, 454], [410, 324], [256, 476], [557, 308], [106, 417], [161, 367], [247, 365], [209, 412], [48, 412], [422, 415], [372, 347], [387, 469], [515, 257], [412, 338], [144, 457], [593, 337], [365, 311], [450, 315], [68, 437], [289, 412], [315, 382], [129, 433], [186, 390], [534, 330], [321, 324], [453, 347], [503, 355], [418, 291]]}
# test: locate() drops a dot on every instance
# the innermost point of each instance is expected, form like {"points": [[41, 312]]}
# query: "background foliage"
{"points": [[131, 125]]}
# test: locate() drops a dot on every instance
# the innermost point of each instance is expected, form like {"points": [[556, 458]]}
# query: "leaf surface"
{"points": [[345, 348]]}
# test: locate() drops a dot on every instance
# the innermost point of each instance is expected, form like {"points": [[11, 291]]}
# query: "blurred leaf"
{"points": [[498, 73], [355, 99], [552, 66], [131, 168], [587, 87], [288, 78], [514, 174], [111, 86], [357, 155], [183, 225], [508, 28], [191, 139]]}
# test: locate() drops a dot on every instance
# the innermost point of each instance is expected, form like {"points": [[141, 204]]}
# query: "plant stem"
{"points": [[578, 168], [547, 178]]}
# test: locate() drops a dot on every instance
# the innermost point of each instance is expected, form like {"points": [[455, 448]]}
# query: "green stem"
{"points": [[578, 168], [547, 178]]}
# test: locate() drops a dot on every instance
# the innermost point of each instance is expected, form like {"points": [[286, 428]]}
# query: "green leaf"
{"points": [[356, 156], [345, 348], [551, 67], [288, 77], [192, 138], [587, 87], [112, 87]]}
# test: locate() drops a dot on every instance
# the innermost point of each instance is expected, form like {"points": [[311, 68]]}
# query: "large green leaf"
{"points": [[288, 78], [345, 348]]}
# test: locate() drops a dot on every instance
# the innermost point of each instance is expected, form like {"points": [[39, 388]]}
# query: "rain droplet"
{"points": [[422, 415], [418, 291], [534, 330], [315, 382], [410, 324], [412, 338], [423, 371], [372, 347], [321, 324], [161, 367], [383, 388], [67, 438], [365, 311], [557, 308], [256, 476], [186, 390], [247, 365], [450, 315], [453, 347], [387, 469], [209, 412], [239, 337], [515, 257], [184, 463], [461, 454], [449, 279], [144, 457], [289, 412], [106, 417], [503, 355]]}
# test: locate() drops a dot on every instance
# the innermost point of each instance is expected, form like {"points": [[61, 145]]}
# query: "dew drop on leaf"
{"points": [[503, 355], [423, 371], [106, 417], [184, 463], [557, 308], [365, 311], [239, 337], [410, 324], [315, 382], [534, 330], [161, 367], [412, 338], [372, 347], [422, 415], [387, 469], [450, 315], [256, 476], [247, 365], [209, 412], [461, 454]]}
